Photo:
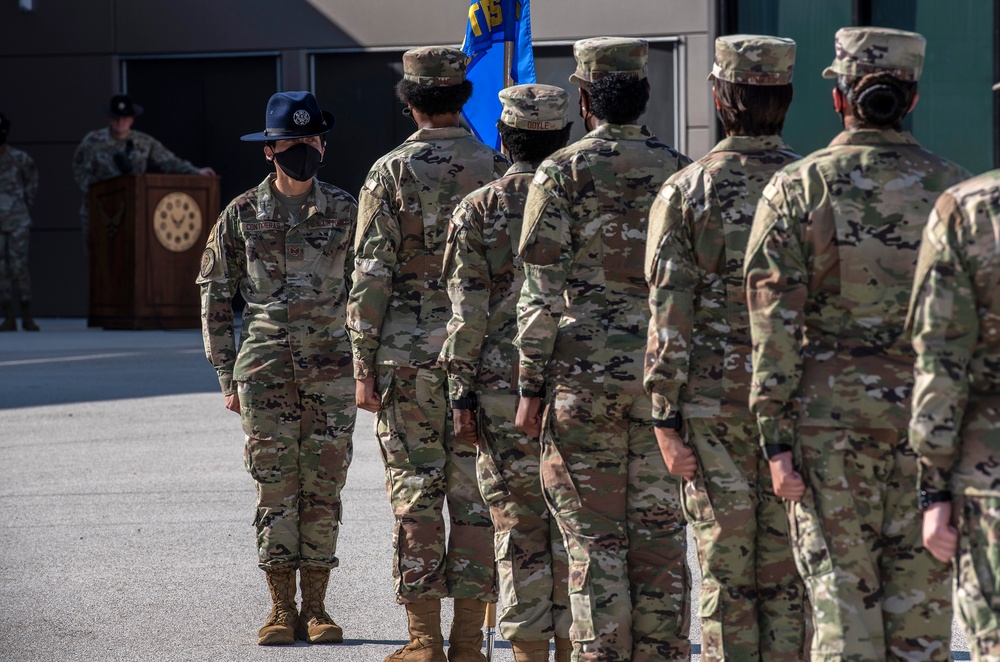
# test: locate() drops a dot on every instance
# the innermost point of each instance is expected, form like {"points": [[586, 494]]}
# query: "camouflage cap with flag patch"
{"points": [[601, 56], [534, 107], [434, 66], [753, 59], [863, 51]]}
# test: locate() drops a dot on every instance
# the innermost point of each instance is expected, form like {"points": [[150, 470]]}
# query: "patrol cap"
{"points": [[601, 56], [122, 105], [753, 59], [434, 66], [534, 107], [292, 115], [863, 51]]}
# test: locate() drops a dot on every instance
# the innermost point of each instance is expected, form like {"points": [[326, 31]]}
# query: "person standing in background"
{"points": [[18, 188]]}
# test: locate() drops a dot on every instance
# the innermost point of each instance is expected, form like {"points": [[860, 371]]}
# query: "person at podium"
{"points": [[287, 247], [118, 149]]}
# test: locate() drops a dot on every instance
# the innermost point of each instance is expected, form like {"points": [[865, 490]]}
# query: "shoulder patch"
{"points": [[207, 262]]}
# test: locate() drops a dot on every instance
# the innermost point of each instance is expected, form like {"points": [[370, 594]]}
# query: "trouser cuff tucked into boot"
{"points": [[279, 629], [564, 649], [530, 651], [314, 624], [426, 643], [465, 643]]}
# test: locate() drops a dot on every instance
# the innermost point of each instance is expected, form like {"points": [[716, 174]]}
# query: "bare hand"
{"points": [[365, 396], [465, 425], [788, 483], [206, 172], [677, 455], [529, 416], [233, 402], [940, 537]]}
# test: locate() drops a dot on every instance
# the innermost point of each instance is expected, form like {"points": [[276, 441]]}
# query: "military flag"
{"points": [[498, 45]]}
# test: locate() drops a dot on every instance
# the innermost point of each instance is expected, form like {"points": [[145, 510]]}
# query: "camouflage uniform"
{"points": [[698, 365], [95, 161], [18, 186], [829, 267], [397, 318], [484, 284], [582, 320], [956, 397], [292, 368]]}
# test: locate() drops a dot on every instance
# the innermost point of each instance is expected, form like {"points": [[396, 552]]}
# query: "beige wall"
{"points": [[61, 62]]}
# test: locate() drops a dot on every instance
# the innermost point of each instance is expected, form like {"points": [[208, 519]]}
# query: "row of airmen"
{"points": [[585, 350]]}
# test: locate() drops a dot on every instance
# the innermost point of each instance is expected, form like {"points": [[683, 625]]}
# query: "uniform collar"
{"points": [[521, 168], [267, 205], [874, 137], [621, 132], [751, 144], [444, 133]]}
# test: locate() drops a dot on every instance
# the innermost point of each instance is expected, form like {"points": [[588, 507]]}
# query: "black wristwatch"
{"points": [[465, 402], [672, 422], [925, 498], [528, 393], [773, 450]]}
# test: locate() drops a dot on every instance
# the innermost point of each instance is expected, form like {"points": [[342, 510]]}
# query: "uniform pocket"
{"points": [[580, 600], [389, 425], [708, 600], [975, 607], [506, 567], [558, 487], [695, 502], [809, 546], [491, 483]]}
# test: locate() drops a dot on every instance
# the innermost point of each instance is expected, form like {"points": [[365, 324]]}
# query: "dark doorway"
{"points": [[555, 63], [359, 88], [199, 107]]}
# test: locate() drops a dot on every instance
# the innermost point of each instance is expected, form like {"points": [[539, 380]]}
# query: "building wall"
{"points": [[62, 62]]}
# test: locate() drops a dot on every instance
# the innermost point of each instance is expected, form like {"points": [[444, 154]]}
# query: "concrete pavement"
{"points": [[125, 511]]}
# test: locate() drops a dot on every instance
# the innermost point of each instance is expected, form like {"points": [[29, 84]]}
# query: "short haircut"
{"points": [[532, 146], [432, 101], [752, 110], [878, 100], [618, 98]]}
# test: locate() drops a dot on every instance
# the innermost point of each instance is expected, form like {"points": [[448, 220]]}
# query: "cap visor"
{"points": [[576, 80], [829, 73], [996, 87]]}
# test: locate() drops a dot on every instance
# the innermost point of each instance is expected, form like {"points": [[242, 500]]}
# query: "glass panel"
{"points": [[811, 122], [954, 116]]}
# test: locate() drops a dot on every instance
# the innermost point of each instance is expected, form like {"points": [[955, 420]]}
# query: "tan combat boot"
{"points": [[564, 649], [530, 651], [466, 638], [315, 625], [426, 643], [280, 626], [27, 323], [9, 321]]}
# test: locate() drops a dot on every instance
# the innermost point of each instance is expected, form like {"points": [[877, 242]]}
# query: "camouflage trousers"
{"points": [[425, 466], [876, 592], [977, 582], [619, 514], [14, 277], [298, 450], [752, 600], [530, 555]]}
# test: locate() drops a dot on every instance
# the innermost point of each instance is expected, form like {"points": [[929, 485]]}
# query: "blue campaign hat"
{"points": [[292, 115]]}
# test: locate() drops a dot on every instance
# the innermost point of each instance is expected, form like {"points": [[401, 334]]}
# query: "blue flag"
{"points": [[492, 25]]}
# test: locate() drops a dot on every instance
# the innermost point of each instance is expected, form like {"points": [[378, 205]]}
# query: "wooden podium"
{"points": [[147, 234]]}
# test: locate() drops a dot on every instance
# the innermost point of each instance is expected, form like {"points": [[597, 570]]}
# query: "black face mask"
{"points": [[300, 162]]}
